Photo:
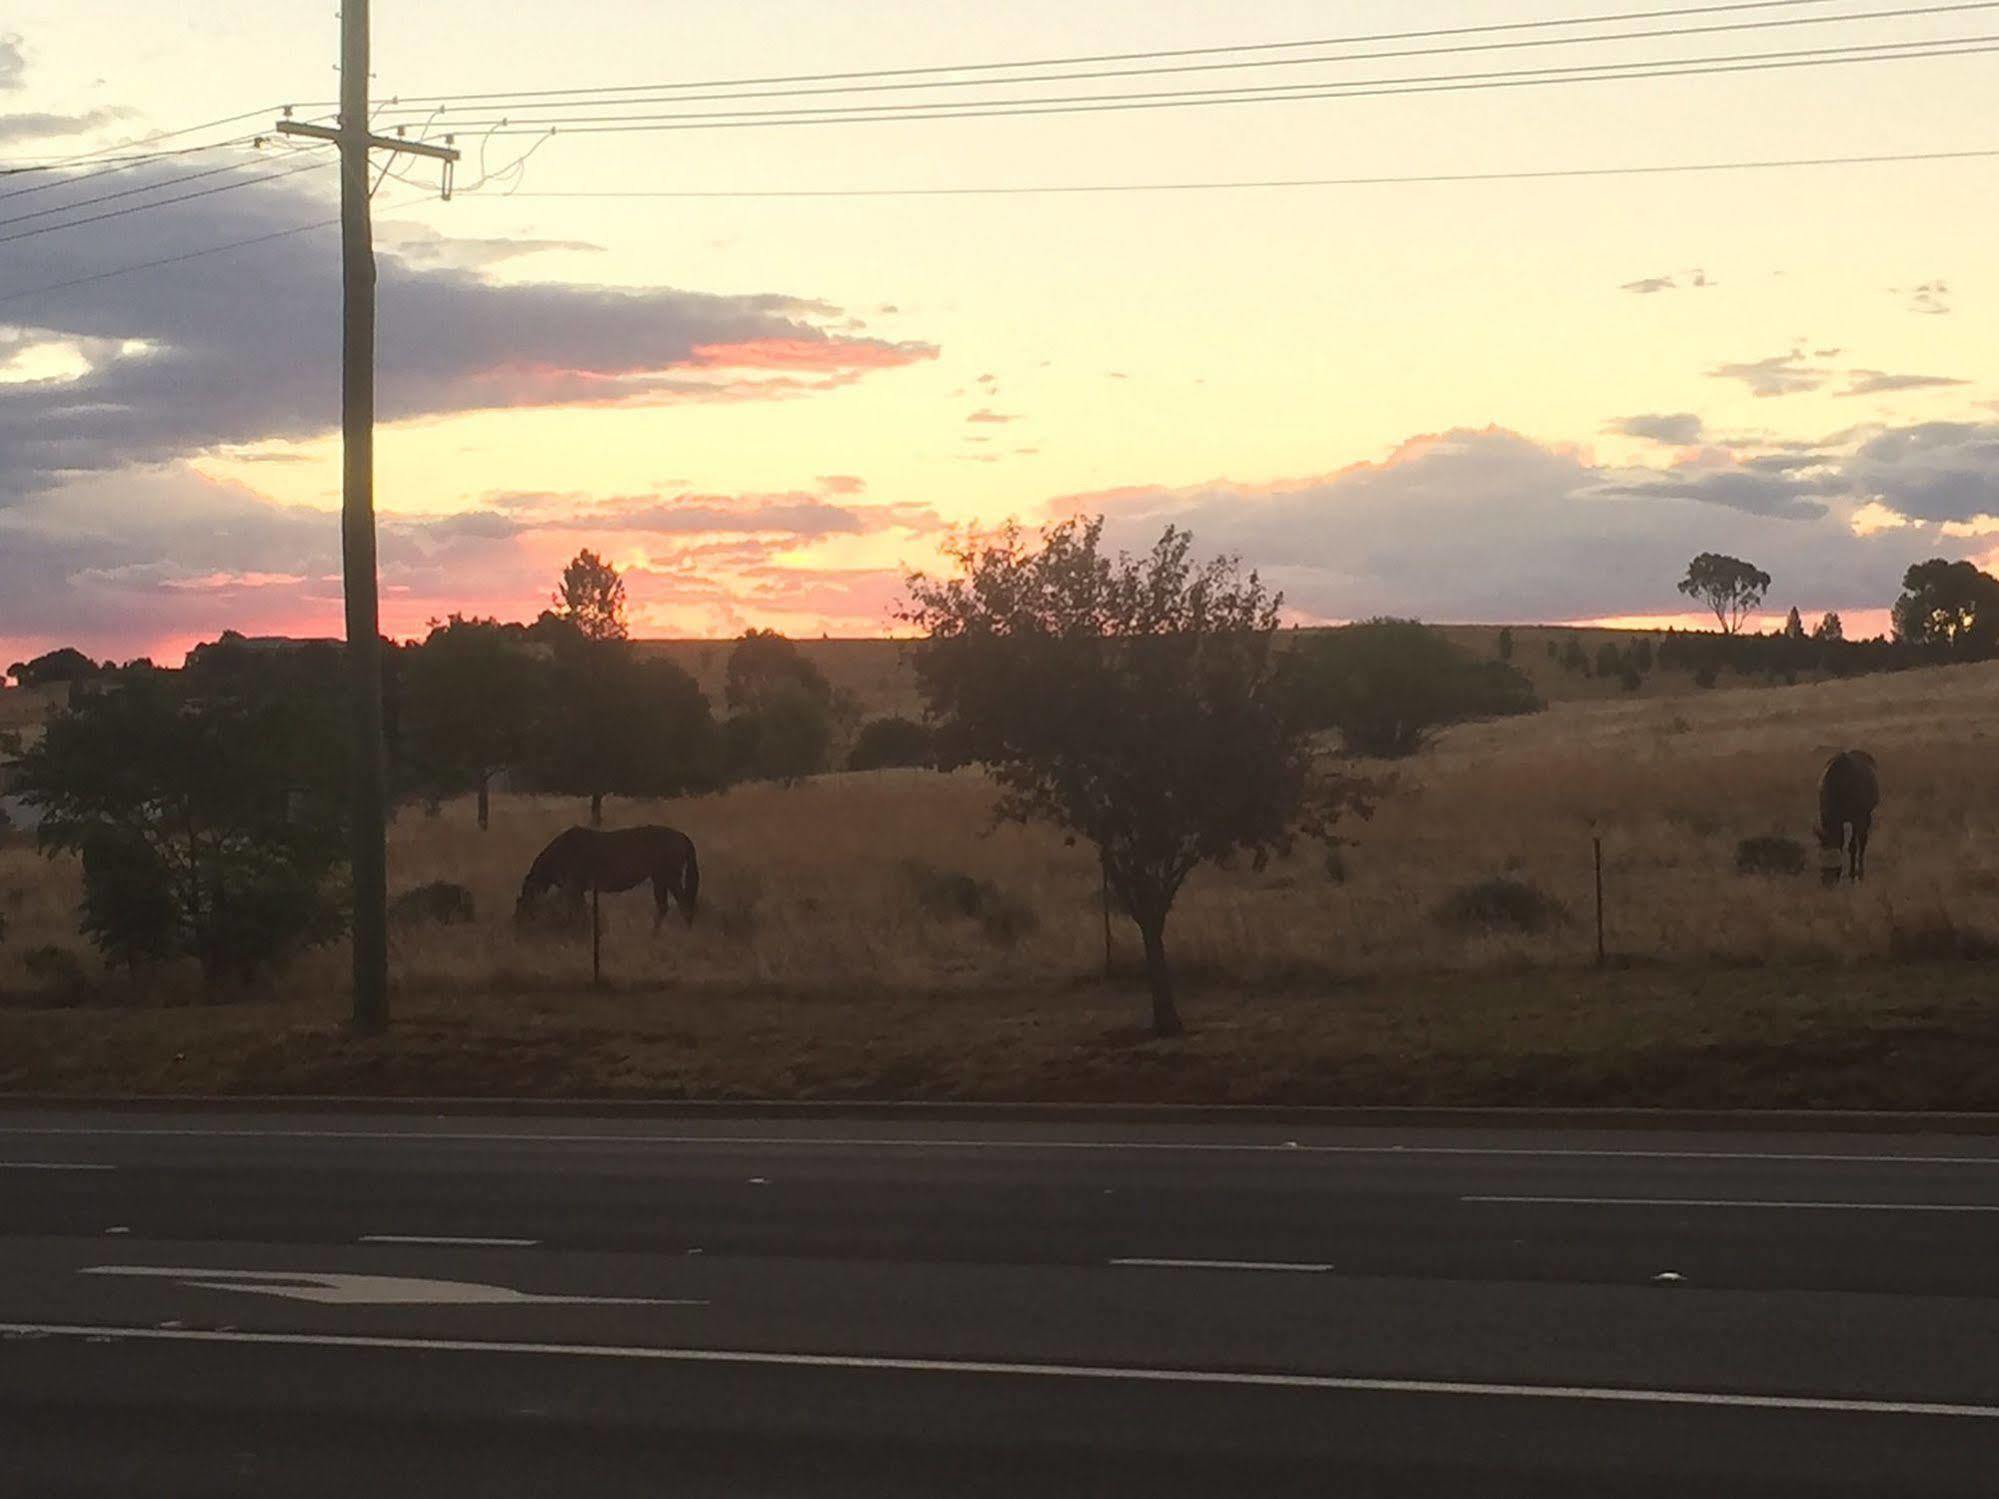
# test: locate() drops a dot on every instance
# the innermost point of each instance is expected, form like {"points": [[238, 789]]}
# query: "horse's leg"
{"points": [[660, 894], [1860, 850]]}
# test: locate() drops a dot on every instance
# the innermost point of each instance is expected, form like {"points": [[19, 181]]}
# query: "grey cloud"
{"points": [[43, 126], [236, 348], [1491, 526], [1935, 471], [1779, 375], [1755, 491], [1875, 383], [1650, 285], [1930, 299], [12, 64], [986, 414], [421, 245], [1677, 430]]}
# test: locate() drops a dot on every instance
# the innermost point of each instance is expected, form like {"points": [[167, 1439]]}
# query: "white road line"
{"points": [[1219, 1265], [1287, 1147], [1110, 1373], [1740, 1202], [447, 1239], [54, 1166]]}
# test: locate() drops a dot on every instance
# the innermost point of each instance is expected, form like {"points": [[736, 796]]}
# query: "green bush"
{"points": [[53, 967], [440, 902], [950, 895]]}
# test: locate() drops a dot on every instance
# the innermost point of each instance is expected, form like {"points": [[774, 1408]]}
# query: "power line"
{"points": [[206, 192], [129, 192], [529, 102], [1541, 175], [1157, 53], [111, 165], [153, 139], [1180, 99], [147, 265]]}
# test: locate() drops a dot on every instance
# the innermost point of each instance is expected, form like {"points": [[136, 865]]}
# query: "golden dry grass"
{"points": [[810, 888], [818, 969]]}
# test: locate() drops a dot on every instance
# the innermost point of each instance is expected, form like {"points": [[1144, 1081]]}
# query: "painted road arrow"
{"points": [[335, 1288]]}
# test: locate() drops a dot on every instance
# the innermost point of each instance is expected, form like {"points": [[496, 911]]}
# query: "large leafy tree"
{"points": [[1732, 588], [66, 664], [781, 707], [612, 724], [210, 822], [467, 692], [1949, 606], [1132, 702], [592, 597]]}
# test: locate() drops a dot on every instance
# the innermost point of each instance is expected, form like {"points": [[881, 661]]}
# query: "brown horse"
{"points": [[585, 859], [1849, 791]]}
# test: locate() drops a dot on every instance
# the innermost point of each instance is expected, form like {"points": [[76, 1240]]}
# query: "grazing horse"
{"points": [[585, 859], [1849, 791]]}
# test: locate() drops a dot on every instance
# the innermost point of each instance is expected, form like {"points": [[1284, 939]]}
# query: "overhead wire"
{"points": [[530, 102], [1247, 94], [1154, 53], [132, 208], [1549, 174]]}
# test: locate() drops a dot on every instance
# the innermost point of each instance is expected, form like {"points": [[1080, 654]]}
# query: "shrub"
{"points": [[1501, 904], [1388, 684], [1336, 864], [785, 737], [949, 895], [891, 742], [440, 901], [1771, 856], [1705, 677]]}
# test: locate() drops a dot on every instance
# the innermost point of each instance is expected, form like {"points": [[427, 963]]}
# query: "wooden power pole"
{"points": [[357, 507]]}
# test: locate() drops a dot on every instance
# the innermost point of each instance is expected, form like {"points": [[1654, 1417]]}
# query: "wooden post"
{"points": [[1598, 842], [596, 942]]}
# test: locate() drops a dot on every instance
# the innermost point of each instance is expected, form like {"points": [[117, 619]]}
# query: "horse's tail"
{"points": [[690, 885]]}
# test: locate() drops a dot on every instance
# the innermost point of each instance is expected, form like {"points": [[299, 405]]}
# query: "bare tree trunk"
{"points": [[596, 809], [485, 807], [1165, 1016]]}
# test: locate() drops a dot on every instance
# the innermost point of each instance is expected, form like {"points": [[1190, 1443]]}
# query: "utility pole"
{"points": [[357, 507]]}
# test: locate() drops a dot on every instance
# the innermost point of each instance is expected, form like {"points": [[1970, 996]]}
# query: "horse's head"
{"points": [[532, 889]]}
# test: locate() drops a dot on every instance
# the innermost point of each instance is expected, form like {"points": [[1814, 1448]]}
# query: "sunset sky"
{"points": [[1502, 400]]}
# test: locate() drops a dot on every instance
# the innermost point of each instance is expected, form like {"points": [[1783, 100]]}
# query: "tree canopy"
{"points": [[1732, 588], [1949, 606], [1132, 702], [470, 691], [592, 597]]}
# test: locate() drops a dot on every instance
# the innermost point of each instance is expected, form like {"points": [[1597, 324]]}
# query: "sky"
{"points": [[1530, 399]]}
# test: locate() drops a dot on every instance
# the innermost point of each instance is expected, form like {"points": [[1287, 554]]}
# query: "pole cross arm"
{"points": [[375, 142]]}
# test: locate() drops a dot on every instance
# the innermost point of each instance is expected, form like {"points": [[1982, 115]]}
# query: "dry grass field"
{"points": [[835, 955]]}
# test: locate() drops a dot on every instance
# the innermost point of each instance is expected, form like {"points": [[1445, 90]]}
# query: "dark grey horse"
{"points": [[1849, 791], [585, 859]]}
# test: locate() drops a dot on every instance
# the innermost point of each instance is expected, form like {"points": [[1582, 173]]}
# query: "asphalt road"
{"points": [[265, 1304]]}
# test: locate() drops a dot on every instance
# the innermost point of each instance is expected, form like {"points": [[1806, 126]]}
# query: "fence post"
{"points": [[1598, 842], [596, 942]]}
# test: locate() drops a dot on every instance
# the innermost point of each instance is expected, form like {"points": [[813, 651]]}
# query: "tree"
{"points": [[468, 693], [1729, 586], [1829, 629], [1949, 606], [66, 664], [761, 662], [592, 597], [786, 737], [1505, 644], [1388, 684], [782, 710], [209, 825], [611, 724], [1794, 625], [1133, 702]]}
